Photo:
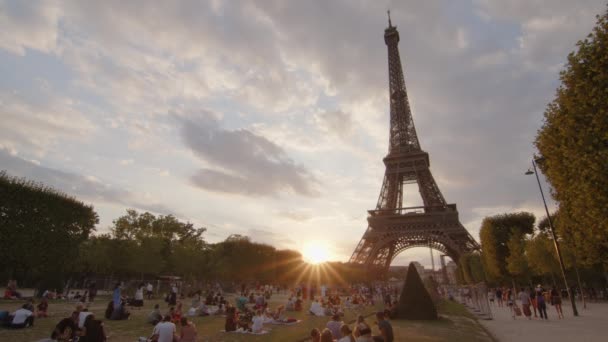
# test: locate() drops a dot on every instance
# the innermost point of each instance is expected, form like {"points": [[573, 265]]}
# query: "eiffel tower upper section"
{"points": [[403, 137]]}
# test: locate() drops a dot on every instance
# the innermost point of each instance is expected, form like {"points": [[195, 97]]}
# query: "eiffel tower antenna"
{"points": [[393, 228]]}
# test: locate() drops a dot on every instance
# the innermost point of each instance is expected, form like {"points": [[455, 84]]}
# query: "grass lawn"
{"points": [[456, 324]]}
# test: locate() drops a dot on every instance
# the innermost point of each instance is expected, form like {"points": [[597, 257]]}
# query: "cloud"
{"points": [[41, 119], [298, 216], [335, 122], [242, 162], [87, 187], [264, 235], [28, 25]]}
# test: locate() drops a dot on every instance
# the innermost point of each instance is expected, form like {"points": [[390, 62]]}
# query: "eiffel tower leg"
{"points": [[389, 258]]}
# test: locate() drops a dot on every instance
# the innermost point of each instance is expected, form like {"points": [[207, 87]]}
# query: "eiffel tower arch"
{"points": [[393, 228]]}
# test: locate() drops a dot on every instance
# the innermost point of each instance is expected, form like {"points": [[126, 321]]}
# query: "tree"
{"points": [[574, 145], [540, 252], [517, 262], [471, 268], [41, 230], [495, 233], [160, 244]]}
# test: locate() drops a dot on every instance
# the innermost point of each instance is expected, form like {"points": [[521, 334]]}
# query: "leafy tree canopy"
{"points": [[495, 233], [573, 142]]}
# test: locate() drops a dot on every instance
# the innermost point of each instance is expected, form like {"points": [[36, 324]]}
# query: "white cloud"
{"points": [[28, 25], [41, 120]]}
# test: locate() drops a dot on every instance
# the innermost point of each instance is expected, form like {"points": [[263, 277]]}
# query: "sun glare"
{"points": [[315, 252]]}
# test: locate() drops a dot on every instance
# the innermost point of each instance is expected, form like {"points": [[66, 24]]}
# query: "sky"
{"points": [[270, 118]]}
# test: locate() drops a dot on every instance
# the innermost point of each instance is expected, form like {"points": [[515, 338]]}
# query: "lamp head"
{"points": [[529, 172]]}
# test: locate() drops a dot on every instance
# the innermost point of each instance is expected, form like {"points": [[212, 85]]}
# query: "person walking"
{"points": [[499, 296], [556, 300], [149, 290], [540, 302], [524, 297], [533, 301]]}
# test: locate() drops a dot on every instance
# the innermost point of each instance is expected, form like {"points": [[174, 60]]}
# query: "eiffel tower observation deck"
{"points": [[393, 228]]}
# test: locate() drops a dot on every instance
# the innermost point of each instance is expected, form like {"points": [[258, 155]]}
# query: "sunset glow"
{"points": [[315, 252]]}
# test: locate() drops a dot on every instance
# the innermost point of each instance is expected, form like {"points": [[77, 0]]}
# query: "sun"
{"points": [[315, 252]]}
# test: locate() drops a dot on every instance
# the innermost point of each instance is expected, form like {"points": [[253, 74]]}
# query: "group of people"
{"points": [[24, 316], [11, 290], [531, 300], [336, 330], [81, 325], [250, 312]]}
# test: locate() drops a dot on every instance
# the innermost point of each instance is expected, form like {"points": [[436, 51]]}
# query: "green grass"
{"points": [[456, 324]]}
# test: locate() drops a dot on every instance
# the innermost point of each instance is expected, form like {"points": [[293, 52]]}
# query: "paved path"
{"points": [[591, 325]]}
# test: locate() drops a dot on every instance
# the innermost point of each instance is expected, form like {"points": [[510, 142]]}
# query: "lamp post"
{"points": [[555, 242]]}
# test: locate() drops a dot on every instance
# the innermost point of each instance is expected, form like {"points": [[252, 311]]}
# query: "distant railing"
{"points": [[412, 210]]}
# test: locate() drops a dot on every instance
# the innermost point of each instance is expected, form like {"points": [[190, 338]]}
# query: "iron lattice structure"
{"points": [[391, 227]]}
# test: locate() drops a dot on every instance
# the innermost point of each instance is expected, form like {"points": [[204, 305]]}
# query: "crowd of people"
{"points": [[532, 301], [336, 330], [249, 312]]}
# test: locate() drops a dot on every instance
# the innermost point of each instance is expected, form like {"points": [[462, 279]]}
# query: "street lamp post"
{"points": [[555, 242]]}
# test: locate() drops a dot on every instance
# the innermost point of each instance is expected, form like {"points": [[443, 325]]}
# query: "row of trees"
{"points": [[144, 245], [47, 238], [41, 230], [513, 249]]}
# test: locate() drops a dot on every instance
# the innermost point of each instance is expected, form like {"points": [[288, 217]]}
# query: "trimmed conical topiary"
{"points": [[415, 302]]}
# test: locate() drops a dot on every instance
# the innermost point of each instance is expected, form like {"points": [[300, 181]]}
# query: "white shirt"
{"points": [[21, 315], [82, 316], [317, 309], [345, 339], [165, 331], [258, 323], [139, 294], [149, 287]]}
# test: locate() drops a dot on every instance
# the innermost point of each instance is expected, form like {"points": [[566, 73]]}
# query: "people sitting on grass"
{"points": [[177, 313], [231, 319], [260, 302], [22, 318], [291, 304], [43, 308], [385, 327], [316, 308], [188, 331], [66, 329], [164, 331], [315, 335], [92, 330], [326, 336], [11, 290], [241, 302], [116, 314], [82, 314], [49, 294], [155, 316], [362, 328], [334, 326], [347, 334], [257, 322]]}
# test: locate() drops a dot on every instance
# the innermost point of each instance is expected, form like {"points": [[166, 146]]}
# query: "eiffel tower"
{"points": [[391, 227]]}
